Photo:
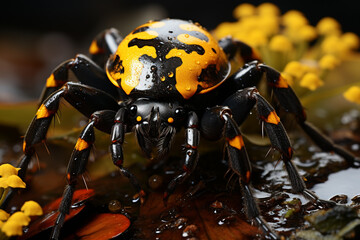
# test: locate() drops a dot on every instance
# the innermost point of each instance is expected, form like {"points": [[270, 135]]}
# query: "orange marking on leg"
{"points": [[248, 174], [272, 118], [81, 144], [52, 82], [281, 82], [43, 112], [236, 142], [24, 146], [95, 49], [290, 152]]}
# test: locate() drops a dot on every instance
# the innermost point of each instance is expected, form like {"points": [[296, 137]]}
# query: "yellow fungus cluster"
{"points": [[311, 81], [304, 74], [353, 94], [303, 53], [12, 225], [9, 177]]}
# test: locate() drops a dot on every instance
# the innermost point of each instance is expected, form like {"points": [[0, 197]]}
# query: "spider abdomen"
{"points": [[168, 58]]}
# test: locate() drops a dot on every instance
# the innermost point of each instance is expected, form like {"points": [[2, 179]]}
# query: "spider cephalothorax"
{"points": [[155, 125], [164, 76]]}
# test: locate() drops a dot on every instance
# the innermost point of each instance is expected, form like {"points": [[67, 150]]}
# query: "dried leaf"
{"points": [[50, 212], [102, 227]]}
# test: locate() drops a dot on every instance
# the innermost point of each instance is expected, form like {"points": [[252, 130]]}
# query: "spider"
{"points": [[164, 76]]}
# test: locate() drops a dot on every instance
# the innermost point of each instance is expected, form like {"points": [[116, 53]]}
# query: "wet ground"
{"points": [[209, 204]]}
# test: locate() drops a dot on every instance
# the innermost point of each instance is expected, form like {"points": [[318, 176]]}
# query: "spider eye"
{"points": [[179, 112], [133, 110]]}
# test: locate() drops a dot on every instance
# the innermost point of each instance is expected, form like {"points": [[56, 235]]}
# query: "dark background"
{"points": [[77, 16], [35, 36]]}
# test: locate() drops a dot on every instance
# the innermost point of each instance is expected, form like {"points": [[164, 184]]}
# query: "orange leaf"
{"points": [[103, 226], [47, 220]]}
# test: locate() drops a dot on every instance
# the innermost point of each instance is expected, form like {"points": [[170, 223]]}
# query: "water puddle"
{"points": [[344, 182]]}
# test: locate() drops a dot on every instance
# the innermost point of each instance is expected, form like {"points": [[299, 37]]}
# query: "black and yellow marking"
{"points": [[236, 142], [24, 146], [247, 177], [52, 82], [281, 82], [82, 144], [272, 118], [95, 49], [43, 112], [168, 56]]}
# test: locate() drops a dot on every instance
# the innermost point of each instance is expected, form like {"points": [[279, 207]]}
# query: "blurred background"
{"points": [[35, 36]]}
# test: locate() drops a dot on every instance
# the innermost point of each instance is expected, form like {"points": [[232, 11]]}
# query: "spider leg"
{"points": [[77, 163], [238, 159], [85, 70], [116, 149], [192, 139], [85, 99], [232, 46], [251, 74], [290, 103], [276, 132], [103, 45]]}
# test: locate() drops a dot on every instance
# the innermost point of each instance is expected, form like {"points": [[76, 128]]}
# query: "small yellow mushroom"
{"points": [[334, 45], [3, 215], [7, 170], [307, 33], [20, 218], [256, 38], [268, 24], [353, 94], [280, 43], [248, 24], [244, 10], [12, 229], [328, 62], [13, 181], [3, 183], [31, 208], [295, 68], [294, 19], [268, 9], [328, 26], [351, 40], [311, 81]]}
